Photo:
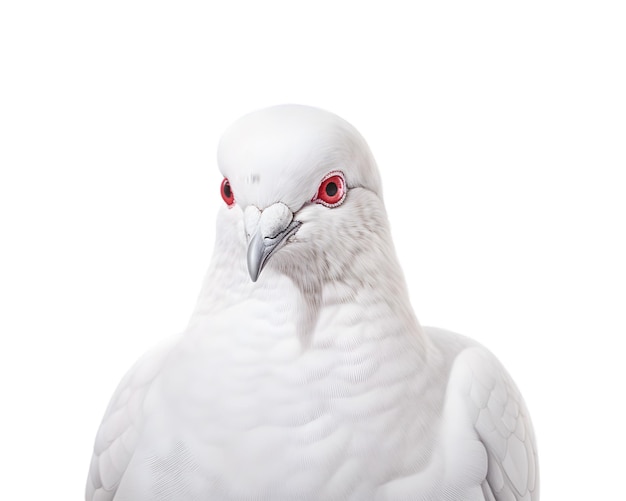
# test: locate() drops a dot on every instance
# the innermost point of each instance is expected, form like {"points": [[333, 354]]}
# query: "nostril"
{"points": [[252, 215], [275, 219]]}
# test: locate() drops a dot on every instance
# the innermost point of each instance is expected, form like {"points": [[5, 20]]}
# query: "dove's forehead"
{"points": [[283, 153]]}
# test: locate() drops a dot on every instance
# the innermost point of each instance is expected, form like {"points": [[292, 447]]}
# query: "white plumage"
{"points": [[303, 373]]}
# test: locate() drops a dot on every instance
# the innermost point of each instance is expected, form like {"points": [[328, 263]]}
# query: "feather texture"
{"points": [[304, 373]]}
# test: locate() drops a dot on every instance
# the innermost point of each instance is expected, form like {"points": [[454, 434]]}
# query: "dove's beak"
{"points": [[260, 249]]}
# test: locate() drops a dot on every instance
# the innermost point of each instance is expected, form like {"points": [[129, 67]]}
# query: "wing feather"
{"points": [[503, 426], [119, 432]]}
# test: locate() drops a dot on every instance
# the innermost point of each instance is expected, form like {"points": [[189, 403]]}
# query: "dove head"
{"points": [[306, 187]]}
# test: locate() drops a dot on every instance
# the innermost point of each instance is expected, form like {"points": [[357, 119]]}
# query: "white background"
{"points": [[500, 131]]}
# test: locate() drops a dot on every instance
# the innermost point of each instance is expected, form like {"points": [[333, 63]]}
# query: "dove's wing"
{"points": [[119, 432], [503, 426]]}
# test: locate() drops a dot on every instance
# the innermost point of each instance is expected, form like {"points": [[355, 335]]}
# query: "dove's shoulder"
{"points": [[120, 429], [484, 403]]}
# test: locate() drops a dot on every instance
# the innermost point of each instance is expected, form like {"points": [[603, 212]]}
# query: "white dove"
{"points": [[304, 373]]}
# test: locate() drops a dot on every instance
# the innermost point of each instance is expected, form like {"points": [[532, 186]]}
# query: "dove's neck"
{"points": [[325, 371], [349, 310]]}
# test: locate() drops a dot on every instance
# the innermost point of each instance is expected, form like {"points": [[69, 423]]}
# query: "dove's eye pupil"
{"points": [[332, 190], [227, 193]]}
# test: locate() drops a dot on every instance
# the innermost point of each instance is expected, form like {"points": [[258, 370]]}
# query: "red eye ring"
{"points": [[332, 190], [227, 193]]}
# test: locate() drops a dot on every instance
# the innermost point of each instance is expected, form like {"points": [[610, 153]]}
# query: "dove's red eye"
{"points": [[227, 193], [332, 191]]}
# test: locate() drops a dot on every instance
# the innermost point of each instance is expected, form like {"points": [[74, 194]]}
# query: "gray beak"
{"points": [[260, 248], [267, 231]]}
